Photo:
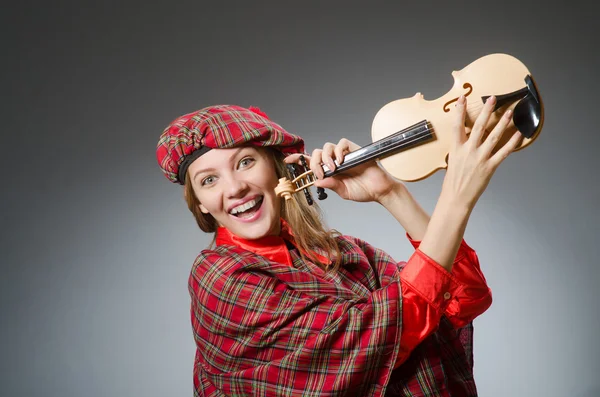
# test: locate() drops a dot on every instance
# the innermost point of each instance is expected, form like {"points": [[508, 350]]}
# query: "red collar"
{"points": [[271, 247]]}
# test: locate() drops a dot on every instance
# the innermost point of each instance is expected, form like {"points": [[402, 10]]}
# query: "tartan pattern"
{"points": [[441, 366], [265, 328], [220, 126]]}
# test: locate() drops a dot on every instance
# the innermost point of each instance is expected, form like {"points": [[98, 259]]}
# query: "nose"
{"points": [[236, 186]]}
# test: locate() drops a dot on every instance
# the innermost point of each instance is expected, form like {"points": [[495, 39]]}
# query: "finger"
{"points": [[492, 139], [460, 136], [507, 149], [327, 155], [294, 158], [482, 120], [315, 163], [330, 183], [344, 147]]}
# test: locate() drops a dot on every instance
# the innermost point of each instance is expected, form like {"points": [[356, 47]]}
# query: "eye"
{"points": [[208, 180], [245, 162]]}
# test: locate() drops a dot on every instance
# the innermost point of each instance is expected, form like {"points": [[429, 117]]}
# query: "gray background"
{"points": [[97, 245]]}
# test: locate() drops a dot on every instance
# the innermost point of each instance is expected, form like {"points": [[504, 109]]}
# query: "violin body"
{"points": [[495, 74]]}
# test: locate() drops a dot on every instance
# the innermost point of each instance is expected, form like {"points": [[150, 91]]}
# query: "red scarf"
{"points": [[273, 248]]}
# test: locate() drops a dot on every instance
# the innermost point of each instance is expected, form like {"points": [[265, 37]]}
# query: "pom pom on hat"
{"points": [[258, 111]]}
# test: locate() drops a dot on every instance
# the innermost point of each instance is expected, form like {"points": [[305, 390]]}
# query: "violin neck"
{"points": [[404, 139]]}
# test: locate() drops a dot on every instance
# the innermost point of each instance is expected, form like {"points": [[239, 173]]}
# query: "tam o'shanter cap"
{"points": [[218, 127]]}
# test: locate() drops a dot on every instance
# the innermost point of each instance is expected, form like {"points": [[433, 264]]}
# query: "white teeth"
{"points": [[246, 206]]}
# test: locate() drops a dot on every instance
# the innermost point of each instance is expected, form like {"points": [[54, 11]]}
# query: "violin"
{"points": [[412, 136]]}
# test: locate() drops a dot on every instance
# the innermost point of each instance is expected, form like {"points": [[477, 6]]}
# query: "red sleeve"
{"points": [[430, 291]]}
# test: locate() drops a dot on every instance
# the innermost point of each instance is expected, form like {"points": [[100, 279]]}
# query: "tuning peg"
{"points": [[321, 193]]}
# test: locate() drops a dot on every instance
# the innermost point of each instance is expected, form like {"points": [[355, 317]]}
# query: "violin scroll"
{"points": [[285, 188]]}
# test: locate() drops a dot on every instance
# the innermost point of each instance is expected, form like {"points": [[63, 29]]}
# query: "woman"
{"points": [[282, 306]]}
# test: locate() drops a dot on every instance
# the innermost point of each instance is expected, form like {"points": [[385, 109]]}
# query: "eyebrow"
{"points": [[204, 170]]}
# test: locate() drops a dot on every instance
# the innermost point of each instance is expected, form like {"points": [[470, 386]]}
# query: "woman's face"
{"points": [[237, 187]]}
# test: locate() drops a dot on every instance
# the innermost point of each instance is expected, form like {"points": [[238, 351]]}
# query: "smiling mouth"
{"points": [[248, 209]]}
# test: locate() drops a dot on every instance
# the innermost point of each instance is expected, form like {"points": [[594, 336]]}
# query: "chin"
{"points": [[258, 231], [255, 230]]}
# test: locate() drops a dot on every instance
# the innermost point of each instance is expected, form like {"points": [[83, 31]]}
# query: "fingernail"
{"points": [[461, 99], [508, 112], [491, 99]]}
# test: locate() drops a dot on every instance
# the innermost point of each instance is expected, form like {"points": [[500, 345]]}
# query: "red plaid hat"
{"points": [[220, 126]]}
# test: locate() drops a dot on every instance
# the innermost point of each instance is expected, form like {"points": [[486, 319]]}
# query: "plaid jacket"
{"points": [[272, 324]]}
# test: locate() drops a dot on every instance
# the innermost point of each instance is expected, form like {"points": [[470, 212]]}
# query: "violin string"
{"points": [[419, 132]]}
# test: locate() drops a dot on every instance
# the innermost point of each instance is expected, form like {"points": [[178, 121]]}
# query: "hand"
{"points": [[470, 162], [365, 182]]}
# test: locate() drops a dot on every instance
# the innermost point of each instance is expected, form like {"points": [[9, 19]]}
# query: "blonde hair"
{"points": [[306, 221]]}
